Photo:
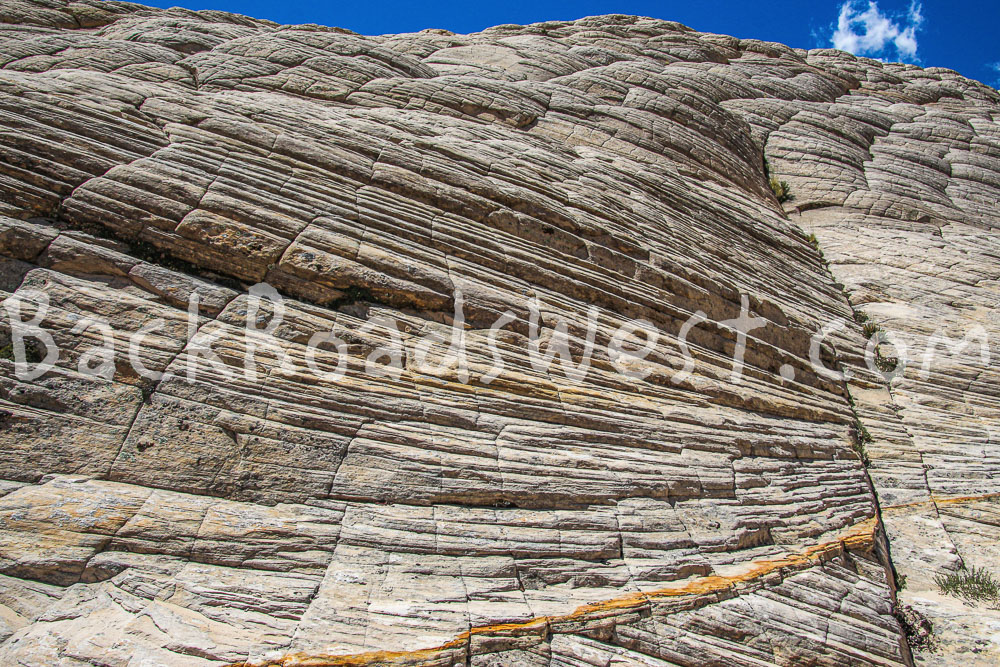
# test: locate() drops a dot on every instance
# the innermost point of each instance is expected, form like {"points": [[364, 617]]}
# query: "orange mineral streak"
{"points": [[859, 537]]}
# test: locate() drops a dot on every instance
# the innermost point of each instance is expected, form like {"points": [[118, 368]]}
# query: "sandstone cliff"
{"points": [[701, 508]]}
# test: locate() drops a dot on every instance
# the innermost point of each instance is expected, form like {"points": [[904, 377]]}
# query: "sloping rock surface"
{"points": [[547, 182]]}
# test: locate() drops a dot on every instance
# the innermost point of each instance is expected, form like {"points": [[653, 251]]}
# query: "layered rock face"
{"points": [[267, 495]]}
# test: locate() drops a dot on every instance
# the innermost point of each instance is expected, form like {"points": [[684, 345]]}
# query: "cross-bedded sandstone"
{"points": [[419, 518]]}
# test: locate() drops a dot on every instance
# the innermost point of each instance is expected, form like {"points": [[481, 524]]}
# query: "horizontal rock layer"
{"points": [[599, 172]]}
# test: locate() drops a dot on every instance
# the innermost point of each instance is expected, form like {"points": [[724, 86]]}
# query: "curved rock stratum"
{"points": [[355, 445]]}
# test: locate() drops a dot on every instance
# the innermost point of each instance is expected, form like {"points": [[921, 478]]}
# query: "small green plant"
{"points": [[860, 438], [865, 436], [975, 585], [814, 242], [33, 352], [884, 363], [780, 189], [862, 452], [918, 630]]}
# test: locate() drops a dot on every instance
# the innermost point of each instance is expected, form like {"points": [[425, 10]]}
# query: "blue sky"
{"points": [[960, 35]]}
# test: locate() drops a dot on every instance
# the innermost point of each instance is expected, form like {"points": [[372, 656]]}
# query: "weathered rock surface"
{"points": [[541, 518]]}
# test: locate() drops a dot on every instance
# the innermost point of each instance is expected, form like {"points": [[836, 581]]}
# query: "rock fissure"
{"points": [[857, 538]]}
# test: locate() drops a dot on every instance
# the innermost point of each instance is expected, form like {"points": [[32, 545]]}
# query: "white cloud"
{"points": [[872, 33]]}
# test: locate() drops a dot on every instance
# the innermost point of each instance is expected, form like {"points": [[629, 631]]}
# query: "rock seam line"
{"points": [[858, 537]]}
